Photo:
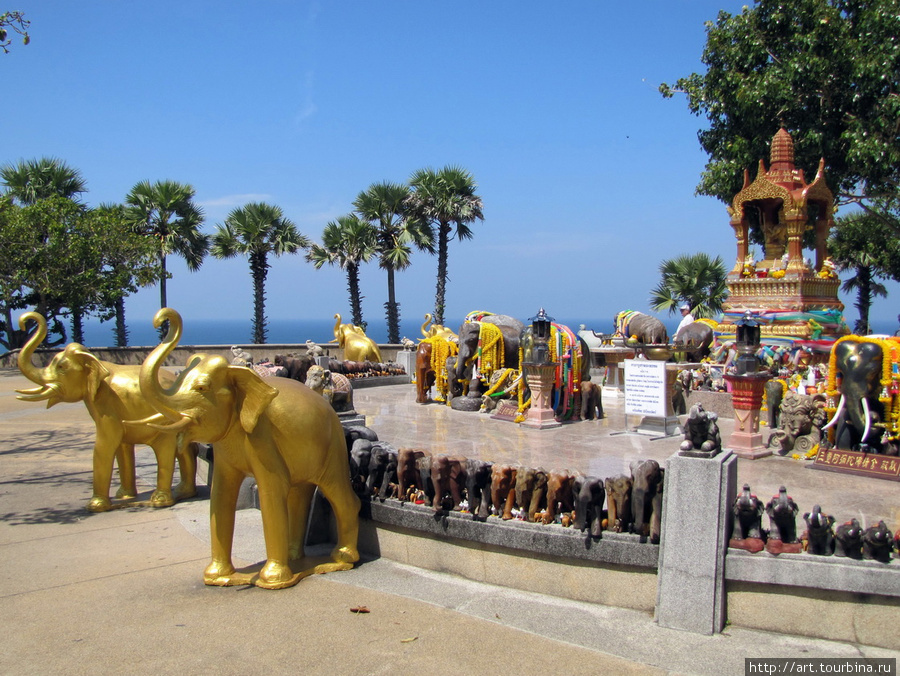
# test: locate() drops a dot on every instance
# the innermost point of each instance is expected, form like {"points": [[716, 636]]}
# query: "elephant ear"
{"points": [[96, 371], [256, 395]]}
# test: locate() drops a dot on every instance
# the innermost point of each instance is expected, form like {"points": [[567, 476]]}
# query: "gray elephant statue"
{"points": [[848, 540], [701, 433], [471, 334], [478, 488], [646, 481], [775, 389], [695, 339], [647, 329], [590, 494], [861, 416]]}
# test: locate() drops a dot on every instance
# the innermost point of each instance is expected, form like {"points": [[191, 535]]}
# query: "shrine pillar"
{"points": [[795, 220], [741, 233]]}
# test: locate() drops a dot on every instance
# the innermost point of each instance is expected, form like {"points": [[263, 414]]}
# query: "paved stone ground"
{"points": [[121, 592]]}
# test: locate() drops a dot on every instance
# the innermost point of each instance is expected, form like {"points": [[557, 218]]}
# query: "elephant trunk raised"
{"points": [[49, 389], [149, 377]]}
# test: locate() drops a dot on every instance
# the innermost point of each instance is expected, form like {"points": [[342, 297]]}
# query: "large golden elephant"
{"points": [[112, 396], [278, 431], [357, 346]]}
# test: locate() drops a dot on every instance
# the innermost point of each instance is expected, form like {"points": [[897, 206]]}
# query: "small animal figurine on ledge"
{"points": [[748, 533], [782, 511], [877, 544], [819, 532], [848, 539]]}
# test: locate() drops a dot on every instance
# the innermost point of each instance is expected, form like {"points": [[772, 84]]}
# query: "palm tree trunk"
{"points": [[355, 298], [863, 299], [77, 325], [393, 310], [443, 240], [121, 330], [163, 301], [259, 268]]}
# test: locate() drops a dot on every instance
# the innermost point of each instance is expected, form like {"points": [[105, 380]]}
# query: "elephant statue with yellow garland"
{"points": [[864, 372], [487, 342], [357, 346], [437, 330], [277, 430], [112, 396]]}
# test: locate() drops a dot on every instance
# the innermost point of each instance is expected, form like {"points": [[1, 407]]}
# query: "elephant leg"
{"points": [[273, 506], [127, 480], [187, 470], [105, 449], [223, 497], [299, 502], [345, 505], [164, 447]]}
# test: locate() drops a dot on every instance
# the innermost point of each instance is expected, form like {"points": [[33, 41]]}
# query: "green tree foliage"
{"points": [[165, 212], [870, 248], [257, 230], [827, 70], [19, 24], [446, 199], [28, 181], [384, 206], [695, 279], [347, 243]]}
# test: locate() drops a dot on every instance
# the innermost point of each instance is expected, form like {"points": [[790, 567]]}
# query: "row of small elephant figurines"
{"points": [[484, 489], [297, 366], [849, 539]]}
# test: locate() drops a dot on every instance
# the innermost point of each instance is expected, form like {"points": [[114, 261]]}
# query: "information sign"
{"points": [[645, 387]]}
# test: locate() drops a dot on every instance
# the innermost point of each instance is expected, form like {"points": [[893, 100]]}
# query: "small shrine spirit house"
{"points": [[792, 299]]}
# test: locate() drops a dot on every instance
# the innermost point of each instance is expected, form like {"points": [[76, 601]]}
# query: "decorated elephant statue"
{"points": [[112, 396], [432, 355], [876, 543], [648, 330], [335, 387], [866, 413], [357, 346], [437, 330], [286, 436], [695, 339], [486, 342]]}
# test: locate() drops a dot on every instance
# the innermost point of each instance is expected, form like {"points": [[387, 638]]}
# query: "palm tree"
{"points": [[33, 180], [347, 243], [165, 211], [384, 205], [697, 280], [866, 244], [445, 198], [257, 230]]}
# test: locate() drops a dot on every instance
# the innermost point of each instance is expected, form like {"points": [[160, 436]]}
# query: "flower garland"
{"points": [[490, 349], [441, 350]]}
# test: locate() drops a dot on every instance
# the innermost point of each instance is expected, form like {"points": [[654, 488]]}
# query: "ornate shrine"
{"points": [[792, 298]]}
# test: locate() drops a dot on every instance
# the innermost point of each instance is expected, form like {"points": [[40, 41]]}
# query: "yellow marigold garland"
{"points": [[490, 349], [441, 350]]}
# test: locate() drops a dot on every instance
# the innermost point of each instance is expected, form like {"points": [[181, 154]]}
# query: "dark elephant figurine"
{"points": [[647, 329], [423, 466], [591, 400], [478, 488], [448, 476], [407, 472], [695, 339], [531, 491], [503, 490], [848, 540], [382, 470], [859, 370], [876, 543], [469, 333], [360, 456], [646, 480], [424, 372], [657, 510], [819, 532], [774, 394], [590, 495], [296, 367], [782, 511], [618, 503], [748, 511], [701, 432], [560, 494]]}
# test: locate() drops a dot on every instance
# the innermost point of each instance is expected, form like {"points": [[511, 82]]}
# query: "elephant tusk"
{"points": [[39, 393], [156, 417], [865, 406], [837, 413]]}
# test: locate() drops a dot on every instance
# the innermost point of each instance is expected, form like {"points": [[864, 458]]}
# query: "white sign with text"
{"points": [[645, 387]]}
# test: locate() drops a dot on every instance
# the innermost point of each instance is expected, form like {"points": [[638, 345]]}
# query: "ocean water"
{"points": [[294, 331]]}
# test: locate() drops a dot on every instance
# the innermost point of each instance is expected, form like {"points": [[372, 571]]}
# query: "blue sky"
{"points": [[586, 173]]}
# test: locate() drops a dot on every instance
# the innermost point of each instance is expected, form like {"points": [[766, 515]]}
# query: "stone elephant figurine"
{"points": [[478, 488], [819, 532], [357, 346], [876, 543], [618, 503], [648, 329], [775, 389], [861, 416], [696, 339], [503, 490], [531, 491], [408, 472], [591, 400], [701, 432], [782, 512], [848, 540], [560, 494], [646, 481], [296, 367], [590, 495], [382, 471], [112, 396], [748, 510], [287, 437], [448, 476], [488, 342]]}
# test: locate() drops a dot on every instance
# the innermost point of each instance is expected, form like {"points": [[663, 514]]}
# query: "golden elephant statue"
{"points": [[438, 330], [112, 396], [277, 430], [357, 346]]}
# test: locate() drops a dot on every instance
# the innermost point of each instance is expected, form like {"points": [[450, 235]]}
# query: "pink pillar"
{"points": [[540, 380], [747, 394]]}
